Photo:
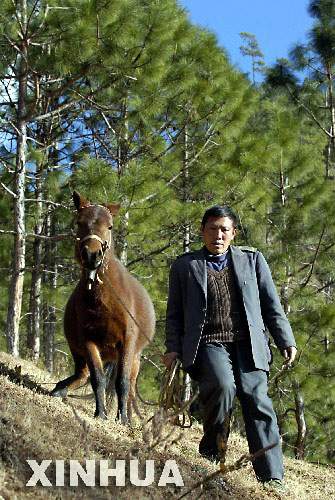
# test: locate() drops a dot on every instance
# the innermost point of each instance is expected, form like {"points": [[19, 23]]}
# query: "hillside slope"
{"points": [[35, 426]]}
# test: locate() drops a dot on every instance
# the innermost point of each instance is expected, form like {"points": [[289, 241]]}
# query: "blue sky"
{"points": [[277, 24]]}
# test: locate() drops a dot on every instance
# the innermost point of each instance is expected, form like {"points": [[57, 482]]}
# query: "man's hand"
{"points": [[289, 354], [169, 358]]}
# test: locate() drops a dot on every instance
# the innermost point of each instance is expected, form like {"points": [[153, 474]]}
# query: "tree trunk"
{"points": [[124, 243], [18, 265], [49, 309], [34, 322], [122, 140], [122, 155], [299, 446], [329, 152], [186, 180], [186, 243], [331, 145], [284, 292]]}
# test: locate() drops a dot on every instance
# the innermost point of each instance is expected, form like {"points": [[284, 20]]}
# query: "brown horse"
{"points": [[109, 317]]}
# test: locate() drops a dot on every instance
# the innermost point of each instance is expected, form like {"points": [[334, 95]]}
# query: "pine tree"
{"points": [[315, 294], [40, 71], [251, 49], [19, 48], [317, 60], [285, 216]]}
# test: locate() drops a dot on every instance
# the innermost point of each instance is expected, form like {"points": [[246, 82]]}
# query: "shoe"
{"points": [[275, 485]]}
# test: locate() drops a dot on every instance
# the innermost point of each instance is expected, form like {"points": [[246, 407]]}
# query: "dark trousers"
{"points": [[222, 372]]}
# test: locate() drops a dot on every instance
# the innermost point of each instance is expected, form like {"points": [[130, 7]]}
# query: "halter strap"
{"points": [[104, 244], [95, 205], [93, 237]]}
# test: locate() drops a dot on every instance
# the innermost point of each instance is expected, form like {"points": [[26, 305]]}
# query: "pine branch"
{"points": [[202, 149], [32, 11], [310, 113], [305, 283], [329, 283], [175, 177], [107, 122], [153, 195], [103, 143], [8, 190], [150, 254], [54, 112], [57, 237], [47, 202]]}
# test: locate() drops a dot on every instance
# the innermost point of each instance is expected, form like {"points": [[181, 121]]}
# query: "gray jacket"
{"points": [[186, 307]]}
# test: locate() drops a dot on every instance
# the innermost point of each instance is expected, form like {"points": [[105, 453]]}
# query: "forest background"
{"points": [[128, 101]]}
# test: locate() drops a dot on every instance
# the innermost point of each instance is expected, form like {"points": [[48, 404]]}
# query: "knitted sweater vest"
{"points": [[225, 317]]}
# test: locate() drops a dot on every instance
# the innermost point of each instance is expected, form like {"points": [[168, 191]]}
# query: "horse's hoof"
{"points": [[122, 419], [100, 414], [58, 393]]}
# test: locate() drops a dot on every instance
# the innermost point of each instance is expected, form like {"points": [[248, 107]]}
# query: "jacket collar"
{"points": [[199, 268]]}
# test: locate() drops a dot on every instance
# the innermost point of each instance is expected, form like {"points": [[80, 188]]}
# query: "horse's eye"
{"points": [[110, 228]]}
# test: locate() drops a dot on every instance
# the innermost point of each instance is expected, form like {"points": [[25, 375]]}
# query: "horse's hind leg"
{"points": [[122, 383], [122, 391], [132, 403], [124, 378], [98, 379], [76, 380]]}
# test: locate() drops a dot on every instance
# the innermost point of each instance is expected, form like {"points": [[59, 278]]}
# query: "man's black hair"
{"points": [[220, 211]]}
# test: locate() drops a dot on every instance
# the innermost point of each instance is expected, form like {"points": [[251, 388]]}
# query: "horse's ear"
{"points": [[79, 201], [113, 208]]}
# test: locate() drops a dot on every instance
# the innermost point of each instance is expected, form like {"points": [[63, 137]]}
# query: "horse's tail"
{"points": [[110, 378]]}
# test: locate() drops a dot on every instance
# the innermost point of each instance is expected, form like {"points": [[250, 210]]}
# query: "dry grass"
{"points": [[34, 426]]}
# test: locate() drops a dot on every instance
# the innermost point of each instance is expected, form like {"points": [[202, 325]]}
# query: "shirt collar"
{"points": [[216, 258]]}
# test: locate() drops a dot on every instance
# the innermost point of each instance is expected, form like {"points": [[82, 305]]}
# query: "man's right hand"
{"points": [[169, 358]]}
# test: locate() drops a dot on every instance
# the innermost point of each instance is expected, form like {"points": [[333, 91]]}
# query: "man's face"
{"points": [[217, 234]]}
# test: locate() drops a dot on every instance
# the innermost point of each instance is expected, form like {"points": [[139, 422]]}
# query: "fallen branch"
{"points": [[15, 376], [224, 469]]}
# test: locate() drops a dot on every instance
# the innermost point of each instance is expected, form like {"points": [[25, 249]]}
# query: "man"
{"points": [[221, 301]]}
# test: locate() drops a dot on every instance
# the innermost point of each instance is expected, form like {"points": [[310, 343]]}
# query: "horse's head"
{"points": [[94, 233]]}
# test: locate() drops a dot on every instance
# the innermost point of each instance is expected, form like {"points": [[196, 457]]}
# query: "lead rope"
{"points": [[171, 395]]}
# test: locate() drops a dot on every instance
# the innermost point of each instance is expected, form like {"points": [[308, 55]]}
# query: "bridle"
{"points": [[92, 274], [104, 244]]}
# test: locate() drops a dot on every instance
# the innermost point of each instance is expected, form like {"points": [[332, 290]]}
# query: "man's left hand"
{"points": [[289, 354]]}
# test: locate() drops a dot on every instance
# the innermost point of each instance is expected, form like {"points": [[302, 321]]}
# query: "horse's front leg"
{"points": [[98, 379]]}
